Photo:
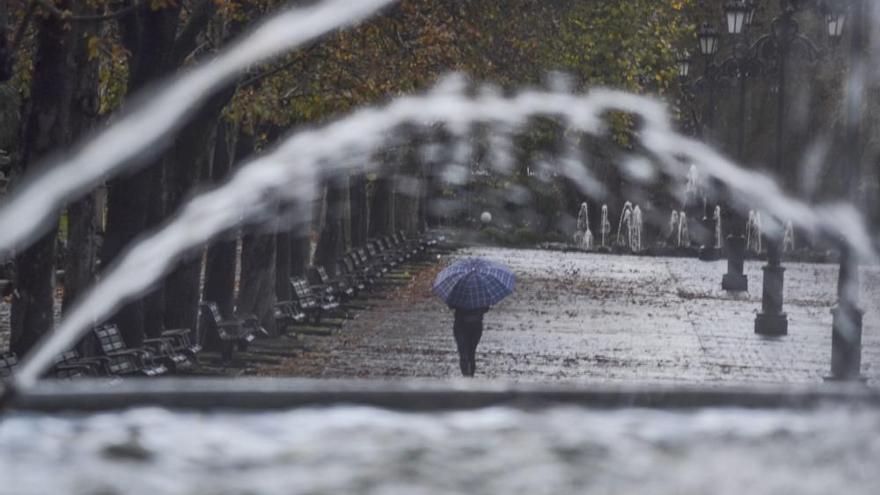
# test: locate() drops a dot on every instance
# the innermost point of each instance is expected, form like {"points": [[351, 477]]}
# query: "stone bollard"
{"points": [[7, 392], [771, 320], [735, 279], [846, 343]]}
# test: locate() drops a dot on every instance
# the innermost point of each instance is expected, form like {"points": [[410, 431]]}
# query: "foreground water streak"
{"points": [[498, 450]]}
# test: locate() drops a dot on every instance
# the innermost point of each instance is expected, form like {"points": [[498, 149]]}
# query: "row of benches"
{"points": [[358, 271], [173, 351], [313, 297]]}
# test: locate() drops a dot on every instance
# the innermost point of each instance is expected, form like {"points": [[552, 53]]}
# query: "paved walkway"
{"points": [[599, 318]]}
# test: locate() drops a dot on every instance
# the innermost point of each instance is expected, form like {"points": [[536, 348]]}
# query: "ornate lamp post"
{"points": [[709, 40], [776, 48], [739, 14]]}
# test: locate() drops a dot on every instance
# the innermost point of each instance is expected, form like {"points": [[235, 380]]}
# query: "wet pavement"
{"points": [[578, 317], [593, 318]]}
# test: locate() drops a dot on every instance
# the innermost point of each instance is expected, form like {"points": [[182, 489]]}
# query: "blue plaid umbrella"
{"points": [[474, 283]]}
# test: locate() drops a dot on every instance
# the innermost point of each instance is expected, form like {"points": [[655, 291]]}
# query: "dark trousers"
{"points": [[467, 336]]}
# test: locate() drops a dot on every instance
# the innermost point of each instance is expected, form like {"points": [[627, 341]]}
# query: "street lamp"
{"points": [[683, 61], [708, 40], [835, 18], [737, 13], [835, 23]]}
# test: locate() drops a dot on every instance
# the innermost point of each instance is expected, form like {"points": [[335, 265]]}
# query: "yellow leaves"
{"points": [[400, 52], [229, 9], [162, 4], [626, 44], [93, 46]]}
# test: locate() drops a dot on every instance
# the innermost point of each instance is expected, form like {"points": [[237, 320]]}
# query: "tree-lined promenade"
{"points": [[75, 64], [71, 66]]}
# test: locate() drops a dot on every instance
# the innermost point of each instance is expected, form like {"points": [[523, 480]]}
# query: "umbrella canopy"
{"points": [[474, 283]]}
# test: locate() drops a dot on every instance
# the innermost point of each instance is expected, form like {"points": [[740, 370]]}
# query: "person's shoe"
{"points": [[464, 366]]}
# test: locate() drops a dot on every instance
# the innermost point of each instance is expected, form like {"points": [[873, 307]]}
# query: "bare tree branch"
{"points": [[68, 16], [187, 39]]}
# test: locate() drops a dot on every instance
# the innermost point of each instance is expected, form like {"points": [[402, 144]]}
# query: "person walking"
{"points": [[468, 329], [470, 287]]}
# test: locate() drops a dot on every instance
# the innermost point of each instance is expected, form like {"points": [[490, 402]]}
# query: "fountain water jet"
{"points": [[683, 237], [672, 228], [677, 230], [788, 244], [692, 188], [583, 237], [754, 232], [588, 239], [636, 231], [625, 218], [606, 226]]}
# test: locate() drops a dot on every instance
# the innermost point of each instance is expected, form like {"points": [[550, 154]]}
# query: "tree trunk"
{"points": [[79, 266], [47, 127], [221, 257], [193, 152], [406, 204], [408, 185], [5, 50], [257, 291], [81, 256], [256, 294], [292, 257], [182, 293], [300, 250], [422, 204], [127, 202], [331, 242], [149, 36], [153, 303], [282, 266], [34, 296], [382, 208], [436, 211], [358, 202]]}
